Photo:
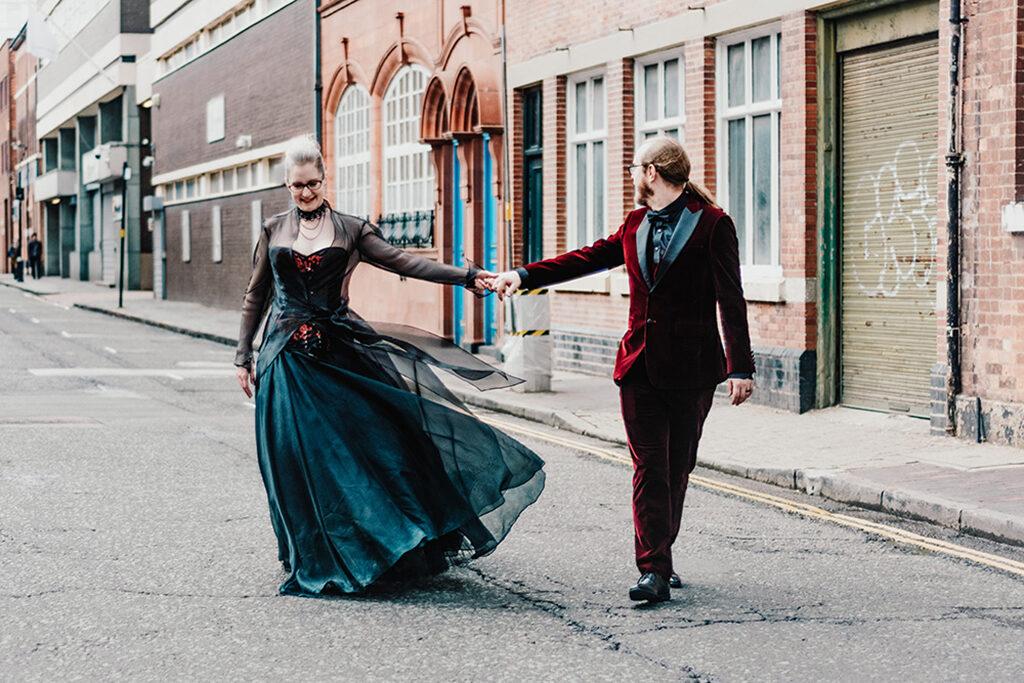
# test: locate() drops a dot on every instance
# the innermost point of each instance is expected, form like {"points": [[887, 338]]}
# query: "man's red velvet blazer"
{"points": [[673, 321]]}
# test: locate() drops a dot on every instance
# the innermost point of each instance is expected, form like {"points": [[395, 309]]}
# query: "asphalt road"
{"points": [[135, 543]]}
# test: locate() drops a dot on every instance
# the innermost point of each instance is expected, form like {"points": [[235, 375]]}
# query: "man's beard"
{"points": [[642, 193]]}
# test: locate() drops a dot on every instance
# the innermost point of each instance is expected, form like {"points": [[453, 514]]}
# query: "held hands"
{"points": [[247, 379], [740, 390], [482, 282], [505, 284]]}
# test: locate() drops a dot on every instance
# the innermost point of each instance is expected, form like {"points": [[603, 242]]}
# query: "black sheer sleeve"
{"points": [[376, 250], [254, 303]]}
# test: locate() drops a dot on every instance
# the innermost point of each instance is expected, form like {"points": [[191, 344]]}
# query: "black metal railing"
{"points": [[408, 230]]}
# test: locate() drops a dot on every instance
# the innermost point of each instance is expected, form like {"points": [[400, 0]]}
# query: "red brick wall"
{"points": [[515, 186], [538, 27], [992, 271], [621, 139], [440, 38], [794, 325], [699, 59], [7, 131], [554, 167]]}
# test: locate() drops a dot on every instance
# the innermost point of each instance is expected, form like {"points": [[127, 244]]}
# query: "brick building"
{"points": [[823, 129], [413, 133], [25, 212], [228, 83], [8, 134]]}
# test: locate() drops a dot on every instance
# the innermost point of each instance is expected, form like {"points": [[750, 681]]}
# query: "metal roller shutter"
{"points": [[888, 213]]}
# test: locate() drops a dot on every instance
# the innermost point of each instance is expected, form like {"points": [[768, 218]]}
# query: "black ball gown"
{"points": [[372, 466]]}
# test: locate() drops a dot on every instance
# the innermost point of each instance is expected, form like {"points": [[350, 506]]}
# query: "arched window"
{"points": [[352, 152], [408, 171]]}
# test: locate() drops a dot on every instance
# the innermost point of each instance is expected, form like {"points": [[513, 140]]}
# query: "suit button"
{"points": [[650, 321]]}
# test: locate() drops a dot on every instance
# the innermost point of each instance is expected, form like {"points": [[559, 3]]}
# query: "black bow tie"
{"points": [[662, 225], [660, 221]]}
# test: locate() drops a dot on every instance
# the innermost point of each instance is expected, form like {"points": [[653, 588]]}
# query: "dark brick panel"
{"points": [[786, 378], [270, 98], [201, 280]]}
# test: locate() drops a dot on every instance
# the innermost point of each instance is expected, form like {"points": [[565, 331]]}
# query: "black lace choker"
{"points": [[314, 214]]}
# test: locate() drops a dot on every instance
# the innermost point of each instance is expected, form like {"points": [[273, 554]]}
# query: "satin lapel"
{"points": [[680, 236], [642, 232]]}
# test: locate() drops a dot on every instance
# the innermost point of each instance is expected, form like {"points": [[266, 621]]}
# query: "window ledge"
{"points": [[770, 291], [763, 283], [595, 283], [767, 284]]}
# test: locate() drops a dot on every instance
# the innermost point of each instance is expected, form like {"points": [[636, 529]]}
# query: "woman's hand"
{"points": [[247, 379], [482, 282], [506, 284]]}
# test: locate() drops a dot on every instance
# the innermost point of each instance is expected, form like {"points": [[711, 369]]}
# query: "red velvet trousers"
{"points": [[663, 428]]}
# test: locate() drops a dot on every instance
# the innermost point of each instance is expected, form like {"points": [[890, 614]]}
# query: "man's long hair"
{"points": [[668, 156]]}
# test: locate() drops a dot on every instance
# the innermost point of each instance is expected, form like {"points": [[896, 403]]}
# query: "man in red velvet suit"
{"points": [[682, 259]]}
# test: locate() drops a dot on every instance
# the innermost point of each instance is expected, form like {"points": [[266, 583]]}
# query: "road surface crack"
{"points": [[558, 610]]}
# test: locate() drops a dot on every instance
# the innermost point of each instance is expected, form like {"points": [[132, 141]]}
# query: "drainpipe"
{"points": [[954, 166], [318, 86], [507, 151]]}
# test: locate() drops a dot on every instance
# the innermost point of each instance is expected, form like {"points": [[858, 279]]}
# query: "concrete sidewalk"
{"points": [[874, 460]]}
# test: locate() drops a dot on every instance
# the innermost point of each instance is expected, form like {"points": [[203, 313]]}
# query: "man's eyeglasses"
{"points": [[630, 167], [313, 185]]}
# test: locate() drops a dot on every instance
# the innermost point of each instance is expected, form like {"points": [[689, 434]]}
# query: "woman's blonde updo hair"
{"points": [[667, 155], [302, 150]]}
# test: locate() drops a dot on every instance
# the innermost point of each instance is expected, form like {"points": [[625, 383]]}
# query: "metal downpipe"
{"points": [[954, 166]]}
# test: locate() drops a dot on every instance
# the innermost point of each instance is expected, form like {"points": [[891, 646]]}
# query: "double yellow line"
{"points": [[892, 533]]}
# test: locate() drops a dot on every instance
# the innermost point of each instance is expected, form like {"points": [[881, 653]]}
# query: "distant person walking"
{"points": [[14, 254], [35, 256]]}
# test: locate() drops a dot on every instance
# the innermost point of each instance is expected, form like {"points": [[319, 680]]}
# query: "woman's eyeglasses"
{"points": [[313, 185]]}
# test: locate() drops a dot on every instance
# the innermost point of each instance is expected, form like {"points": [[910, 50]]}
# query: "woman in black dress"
{"points": [[370, 463]]}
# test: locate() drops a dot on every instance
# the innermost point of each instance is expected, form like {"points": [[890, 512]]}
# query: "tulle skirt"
{"points": [[373, 469]]}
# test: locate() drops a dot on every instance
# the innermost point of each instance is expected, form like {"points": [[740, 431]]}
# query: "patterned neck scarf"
{"points": [[663, 224]]}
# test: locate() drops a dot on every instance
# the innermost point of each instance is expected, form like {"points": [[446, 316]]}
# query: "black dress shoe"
{"points": [[651, 587], [674, 581]]}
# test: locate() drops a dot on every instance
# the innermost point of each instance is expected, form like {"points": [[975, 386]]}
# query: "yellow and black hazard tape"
{"points": [[530, 292], [531, 333]]}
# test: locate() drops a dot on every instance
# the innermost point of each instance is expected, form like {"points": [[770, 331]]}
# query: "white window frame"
{"points": [[409, 181], [589, 137], [216, 235], [186, 237], [255, 220], [662, 123], [349, 136], [275, 171], [216, 119], [220, 31], [760, 273], [257, 176]]}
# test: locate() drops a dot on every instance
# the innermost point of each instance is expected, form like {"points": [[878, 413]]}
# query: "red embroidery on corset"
{"points": [[306, 264], [310, 338]]}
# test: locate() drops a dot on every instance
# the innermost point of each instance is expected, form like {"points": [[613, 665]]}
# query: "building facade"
{"points": [[824, 129], [227, 83], [414, 137], [25, 213], [90, 131], [8, 134]]}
